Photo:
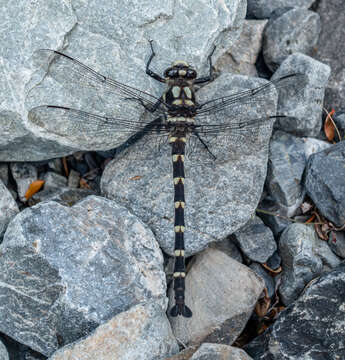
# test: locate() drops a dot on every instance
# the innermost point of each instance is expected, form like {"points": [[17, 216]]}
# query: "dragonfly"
{"points": [[175, 119]]}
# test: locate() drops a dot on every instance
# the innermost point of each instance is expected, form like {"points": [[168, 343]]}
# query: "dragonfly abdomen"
{"points": [[178, 144]]}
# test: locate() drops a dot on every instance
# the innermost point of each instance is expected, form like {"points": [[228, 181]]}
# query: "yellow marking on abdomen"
{"points": [[179, 204], [176, 157], [179, 228], [179, 252], [178, 179], [179, 274]]}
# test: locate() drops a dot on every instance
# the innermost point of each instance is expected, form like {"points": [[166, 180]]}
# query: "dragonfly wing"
{"points": [[71, 72], [210, 145], [290, 85], [91, 131]]}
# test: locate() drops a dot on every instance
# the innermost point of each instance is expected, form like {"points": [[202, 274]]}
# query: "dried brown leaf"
{"points": [[329, 126], [34, 187]]}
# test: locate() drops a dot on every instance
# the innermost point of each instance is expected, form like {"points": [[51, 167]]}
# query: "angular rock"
{"points": [[304, 257], [65, 195], [228, 247], [339, 119], [56, 165], [274, 261], [242, 56], [324, 182], [337, 243], [109, 36], [286, 165], [262, 9], [24, 174], [219, 352], [311, 328], [304, 110], [222, 294], [313, 146], [4, 173], [219, 198], [142, 332], [53, 180], [295, 30], [8, 208], [329, 52], [274, 215], [3, 352], [73, 179], [268, 279], [66, 270], [256, 240]]}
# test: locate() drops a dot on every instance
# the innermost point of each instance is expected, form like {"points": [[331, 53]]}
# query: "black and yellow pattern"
{"points": [[178, 143]]}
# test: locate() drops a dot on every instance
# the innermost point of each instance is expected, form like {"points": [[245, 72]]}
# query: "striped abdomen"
{"points": [[178, 150]]}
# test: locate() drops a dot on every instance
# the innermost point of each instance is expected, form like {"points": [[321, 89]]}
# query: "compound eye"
{"points": [[174, 73], [191, 74], [170, 73]]}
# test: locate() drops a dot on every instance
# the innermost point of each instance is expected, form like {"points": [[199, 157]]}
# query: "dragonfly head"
{"points": [[180, 69]]}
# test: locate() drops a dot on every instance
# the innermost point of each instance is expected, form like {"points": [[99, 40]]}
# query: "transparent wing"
{"points": [[216, 145], [290, 85], [90, 129], [68, 71]]}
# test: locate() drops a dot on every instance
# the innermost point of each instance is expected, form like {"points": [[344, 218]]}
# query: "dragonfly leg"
{"points": [[210, 76], [150, 72]]}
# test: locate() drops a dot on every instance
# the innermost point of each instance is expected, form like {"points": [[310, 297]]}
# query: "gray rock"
{"points": [[286, 164], [228, 247], [4, 173], [213, 191], [65, 195], [52, 21], [8, 208], [53, 180], [287, 161], [304, 257], [329, 51], [71, 269], [256, 240], [219, 352], [222, 294], [73, 179], [275, 216], [312, 146], [3, 352], [262, 9], [23, 174], [242, 56], [108, 36], [336, 242], [296, 30], [142, 332], [269, 281], [56, 165], [304, 111], [324, 182], [311, 328], [339, 119], [274, 261]]}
